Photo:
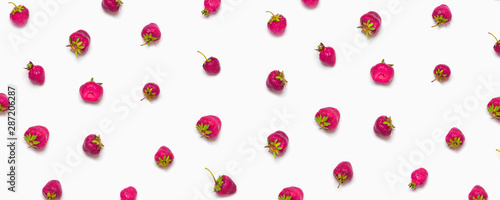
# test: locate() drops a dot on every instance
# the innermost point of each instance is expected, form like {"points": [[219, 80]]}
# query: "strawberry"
{"points": [[370, 23], [4, 103], [211, 65], [92, 144], [277, 143], [494, 107], [441, 15], [383, 126], [310, 3], [151, 34], [276, 81], [52, 190], [441, 72], [129, 193], [111, 6], [455, 138], [79, 42], [326, 55], [211, 7], [418, 178], [164, 157], [291, 193], [277, 24], [223, 185], [37, 137], [343, 172], [328, 118], [382, 72], [478, 193], [496, 47], [36, 73], [91, 91], [150, 90], [209, 126], [19, 15]]}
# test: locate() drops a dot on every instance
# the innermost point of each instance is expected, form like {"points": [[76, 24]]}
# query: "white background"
{"points": [[237, 35]]}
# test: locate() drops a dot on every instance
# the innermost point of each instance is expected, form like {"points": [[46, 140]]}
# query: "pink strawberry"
{"points": [[496, 47], [151, 34], [277, 24], [19, 15], [79, 42], [455, 138], [478, 193], [211, 65], [111, 6], [328, 118], [209, 126], [92, 144], [494, 107], [91, 91], [310, 3], [343, 172], [276, 81], [382, 72], [36, 73], [418, 178], [37, 137], [150, 91], [4, 103], [52, 190], [223, 185], [129, 193], [291, 193], [441, 15], [370, 23], [442, 72], [383, 126], [326, 55], [277, 143], [164, 157], [211, 7]]}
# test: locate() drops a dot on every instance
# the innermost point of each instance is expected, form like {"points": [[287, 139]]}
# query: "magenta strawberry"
{"points": [[223, 185], [111, 6], [455, 138], [496, 47], [418, 178], [79, 42], [343, 172], [310, 3], [91, 91], [478, 193], [291, 193], [52, 190], [277, 143], [92, 144], [150, 91], [36, 73], [129, 193], [370, 23], [209, 126], [441, 15], [211, 7], [276, 81], [326, 55], [151, 34], [382, 72], [19, 15], [211, 65], [328, 118], [383, 126], [494, 107], [442, 72], [277, 24], [4, 103], [164, 157], [37, 137]]}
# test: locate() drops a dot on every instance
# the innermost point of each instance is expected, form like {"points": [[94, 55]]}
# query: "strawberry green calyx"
{"points": [[383, 61], [341, 179], [2, 109], [494, 37], [322, 121], [29, 66], [412, 185], [388, 122], [439, 75], [367, 28], [206, 59], [31, 139], [285, 197], [92, 80], [97, 140], [439, 20], [203, 129], [148, 94], [164, 162], [76, 46], [494, 111], [281, 77], [274, 18], [205, 12], [455, 142], [118, 3], [50, 196], [17, 9], [218, 182], [148, 38], [479, 197], [274, 147], [320, 47]]}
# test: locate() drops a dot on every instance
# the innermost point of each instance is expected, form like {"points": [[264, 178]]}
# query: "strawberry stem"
{"points": [[212, 175], [270, 12], [493, 36], [203, 55]]}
